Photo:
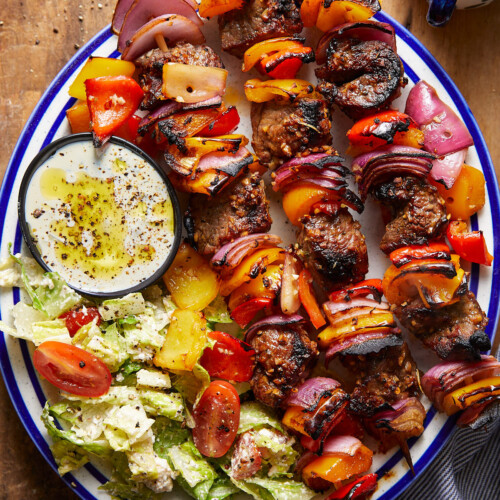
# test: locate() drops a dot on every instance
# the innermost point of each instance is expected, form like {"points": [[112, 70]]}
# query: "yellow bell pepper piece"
{"points": [[251, 267], [190, 280], [185, 339], [471, 394], [99, 66], [340, 11]]}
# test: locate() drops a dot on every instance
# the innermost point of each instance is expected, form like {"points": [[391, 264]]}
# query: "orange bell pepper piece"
{"points": [[79, 117], [339, 468], [309, 12], [211, 8], [467, 195]]}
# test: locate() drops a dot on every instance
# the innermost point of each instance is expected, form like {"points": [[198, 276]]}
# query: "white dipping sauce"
{"points": [[103, 219]]}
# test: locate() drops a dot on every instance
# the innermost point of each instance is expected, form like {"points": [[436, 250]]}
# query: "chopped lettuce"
{"points": [[33, 325], [196, 475], [53, 296], [222, 488], [153, 379], [109, 345], [275, 489], [68, 456], [168, 433], [216, 311], [192, 384], [158, 403], [280, 454], [130, 305], [254, 415]]}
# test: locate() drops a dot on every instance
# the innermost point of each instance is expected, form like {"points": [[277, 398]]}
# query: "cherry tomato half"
{"points": [[216, 417], [77, 318], [72, 369], [230, 358]]}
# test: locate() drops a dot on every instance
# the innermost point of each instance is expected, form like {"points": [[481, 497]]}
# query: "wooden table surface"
{"points": [[38, 37]]}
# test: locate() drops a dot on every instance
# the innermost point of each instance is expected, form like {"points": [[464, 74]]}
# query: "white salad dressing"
{"points": [[103, 219]]}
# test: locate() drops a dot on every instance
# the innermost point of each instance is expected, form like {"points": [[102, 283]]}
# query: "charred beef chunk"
{"points": [[150, 67], [256, 21], [240, 209], [284, 355], [282, 130], [361, 77], [333, 248], [453, 332], [382, 378], [418, 209]]}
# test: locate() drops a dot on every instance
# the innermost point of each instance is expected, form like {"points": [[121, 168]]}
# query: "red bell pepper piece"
{"points": [[229, 358], [284, 63], [433, 250], [224, 124], [363, 288], [359, 489], [128, 130], [308, 299], [244, 313], [470, 245], [112, 100]]}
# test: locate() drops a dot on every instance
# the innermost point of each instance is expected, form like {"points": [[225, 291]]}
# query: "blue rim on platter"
{"points": [[493, 194]]}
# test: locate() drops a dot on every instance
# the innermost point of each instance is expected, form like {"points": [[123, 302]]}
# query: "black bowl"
{"points": [[48, 152]]}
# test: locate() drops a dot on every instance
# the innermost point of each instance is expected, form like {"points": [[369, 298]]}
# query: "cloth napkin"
{"points": [[467, 468]]}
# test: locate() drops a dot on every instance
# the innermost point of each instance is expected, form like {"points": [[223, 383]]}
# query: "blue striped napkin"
{"points": [[467, 468]]}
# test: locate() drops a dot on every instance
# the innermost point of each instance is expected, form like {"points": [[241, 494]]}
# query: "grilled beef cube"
{"points": [[240, 209], [282, 130], [453, 332], [284, 355], [382, 378], [333, 248], [150, 67], [256, 21], [419, 212], [361, 77]]}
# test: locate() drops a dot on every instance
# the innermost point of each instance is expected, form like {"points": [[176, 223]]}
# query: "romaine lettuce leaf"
{"points": [[222, 488], [216, 311], [196, 475], [192, 384], [68, 456], [168, 433], [280, 454], [158, 403], [130, 305], [275, 489], [254, 415], [109, 346]]}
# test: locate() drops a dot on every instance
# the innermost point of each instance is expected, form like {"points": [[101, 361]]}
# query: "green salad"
{"points": [[143, 425]]}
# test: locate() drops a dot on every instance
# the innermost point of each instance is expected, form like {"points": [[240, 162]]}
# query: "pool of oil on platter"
{"points": [[102, 219]]}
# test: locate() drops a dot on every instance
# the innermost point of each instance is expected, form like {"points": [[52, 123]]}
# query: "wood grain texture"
{"points": [[38, 37]]}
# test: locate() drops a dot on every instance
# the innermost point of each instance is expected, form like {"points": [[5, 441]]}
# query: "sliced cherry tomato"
{"points": [[359, 489], [244, 313], [371, 287], [112, 100], [229, 358], [77, 318], [433, 250], [308, 299], [470, 246], [216, 417], [224, 124], [72, 369]]}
